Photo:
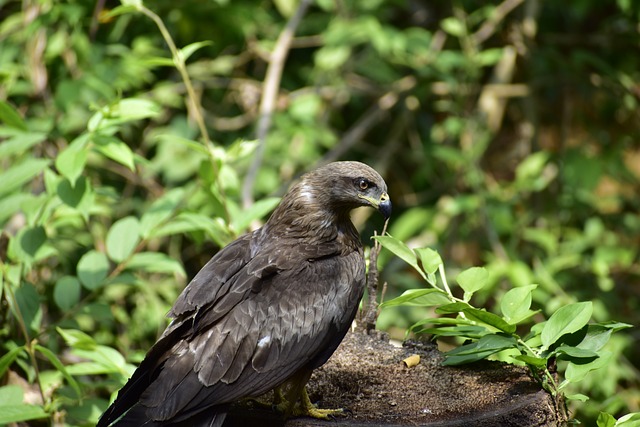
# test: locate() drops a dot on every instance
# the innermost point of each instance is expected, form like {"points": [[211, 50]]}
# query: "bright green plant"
{"points": [[608, 420], [568, 335]]}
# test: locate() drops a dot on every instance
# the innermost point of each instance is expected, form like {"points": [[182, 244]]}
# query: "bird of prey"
{"points": [[264, 312]]}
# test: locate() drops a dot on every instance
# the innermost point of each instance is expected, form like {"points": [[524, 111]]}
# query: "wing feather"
{"points": [[248, 321]]}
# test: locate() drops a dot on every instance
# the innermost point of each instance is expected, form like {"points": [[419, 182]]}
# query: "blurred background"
{"points": [[508, 132]]}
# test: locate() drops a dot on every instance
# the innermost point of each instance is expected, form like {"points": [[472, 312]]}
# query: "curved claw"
{"points": [[308, 409]]}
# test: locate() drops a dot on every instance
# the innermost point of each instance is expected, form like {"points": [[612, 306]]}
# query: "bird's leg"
{"points": [[308, 409], [278, 396], [278, 400], [296, 401]]}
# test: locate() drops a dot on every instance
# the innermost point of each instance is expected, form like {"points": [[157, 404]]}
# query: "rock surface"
{"points": [[367, 377]]}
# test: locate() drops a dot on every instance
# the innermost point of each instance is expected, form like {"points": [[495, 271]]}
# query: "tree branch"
{"points": [[269, 95]]}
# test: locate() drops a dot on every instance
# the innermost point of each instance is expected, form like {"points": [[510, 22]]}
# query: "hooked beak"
{"points": [[383, 204]]}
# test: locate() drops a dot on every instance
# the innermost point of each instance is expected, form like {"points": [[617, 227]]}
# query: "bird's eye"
{"points": [[363, 184]]}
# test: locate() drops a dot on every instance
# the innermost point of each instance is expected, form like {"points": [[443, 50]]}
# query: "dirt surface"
{"points": [[366, 377]]}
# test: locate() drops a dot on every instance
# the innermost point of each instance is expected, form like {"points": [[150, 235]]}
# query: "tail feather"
{"points": [[137, 417]]}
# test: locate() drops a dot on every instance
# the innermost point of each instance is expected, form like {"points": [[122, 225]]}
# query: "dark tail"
{"points": [[129, 396], [137, 417]]}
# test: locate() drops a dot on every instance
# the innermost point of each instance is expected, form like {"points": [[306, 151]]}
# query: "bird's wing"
{"points": [[211, 283], [253, 316], [285, 309]]}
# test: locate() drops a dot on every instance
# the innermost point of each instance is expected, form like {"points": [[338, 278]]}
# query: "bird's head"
{"points": [[347, 185], [323, 198]]}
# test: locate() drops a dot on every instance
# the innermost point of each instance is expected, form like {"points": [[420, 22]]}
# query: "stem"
{"points": [[13, 304], [270, 89], [178, 60], [526, 346], [444, 281], [371, 310], [192, 104]]}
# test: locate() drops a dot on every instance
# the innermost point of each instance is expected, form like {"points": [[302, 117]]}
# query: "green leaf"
{"points": [[10, 117], [539, 362], [74, 195], [21, 412], [28, 301], [515, 304], [430, 259], [543, 238], [77, 339], [577, 371], [489, 56], [629, 420], [132, 3], [286, 7], [189, 49], [160, 211], [489, 319], [89, 410], [595, 338], [11, 204], [454, 307], [469, 332], [93, 269], [106, 356], [20, 142], [123, 9], [256, 211], [241, 149], [615, 326], [159, 61], [332, 57], [123, 111], [60, 367], [7, 359], [122, 238], [115, 149], [90, 368], [455, 360], [401, 250], [493, 342], [481, 349], [606, 420], [71, 161], [418, 297], [31, 240], [566, 352], [577, 396], [66, 292], [155, 262], [19, 174], [454, 26], [531, 167], [188, 221], [566, 320], [11, 395], [473, 279]]}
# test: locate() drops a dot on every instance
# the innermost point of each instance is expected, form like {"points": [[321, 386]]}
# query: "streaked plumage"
{"points": [[273, 304]]}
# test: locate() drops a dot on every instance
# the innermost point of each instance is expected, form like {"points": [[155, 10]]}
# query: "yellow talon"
{"points": [[308, 409], [300, 406]]}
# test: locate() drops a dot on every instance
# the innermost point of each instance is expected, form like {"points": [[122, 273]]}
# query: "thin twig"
{"points": [[193, 104], [28, 342], [489, 26], [371, 311], [370, 118], [270, 90], [178, 59]]}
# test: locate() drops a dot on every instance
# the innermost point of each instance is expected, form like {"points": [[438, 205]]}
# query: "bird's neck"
{"points": [[304, 214]]}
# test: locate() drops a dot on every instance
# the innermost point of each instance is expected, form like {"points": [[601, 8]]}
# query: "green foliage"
{"points": [[508, 139], [567, 335]]}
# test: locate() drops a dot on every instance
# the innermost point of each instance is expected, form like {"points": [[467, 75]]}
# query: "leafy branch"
{"points": [[567, 335]]}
